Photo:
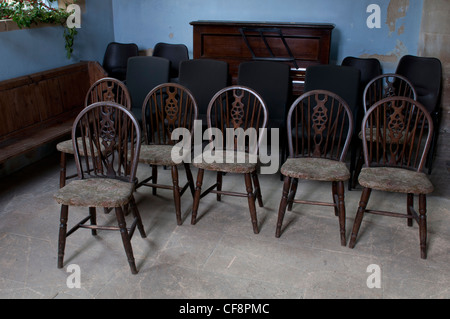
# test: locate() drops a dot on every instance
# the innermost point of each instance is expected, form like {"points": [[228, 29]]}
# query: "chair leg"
{"points": [[126, 239], [154, 177], [93, 214], [62, 234], [341, 205], [189, 177], [359, 215], [409, 208], [334, 194], [62, 170], [257, 188], [219, 180], [357, 170], [283, 204], [176, 194], [251, 202], [137, 215], [198, 192], [352, 163], [292, 194], [423, 225]]}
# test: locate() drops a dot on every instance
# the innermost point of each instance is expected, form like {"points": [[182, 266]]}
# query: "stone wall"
{"points": [[435, 41]]}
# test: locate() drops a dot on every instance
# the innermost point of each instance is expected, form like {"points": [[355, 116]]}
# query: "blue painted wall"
{"points": [[147, 22], [28, 51]]}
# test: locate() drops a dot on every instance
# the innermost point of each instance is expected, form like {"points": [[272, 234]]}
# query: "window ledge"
{"points": [[10, 25]]}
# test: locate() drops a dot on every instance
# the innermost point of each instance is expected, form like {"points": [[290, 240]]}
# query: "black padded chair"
{"points": [[343, 81], [116, 57], [425, 74], [175, 53], [369, 68], [204, 78], [272, 81], [145, 73]]}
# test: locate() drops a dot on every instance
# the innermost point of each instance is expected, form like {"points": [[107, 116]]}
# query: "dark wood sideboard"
{"points": [[298, 44]]}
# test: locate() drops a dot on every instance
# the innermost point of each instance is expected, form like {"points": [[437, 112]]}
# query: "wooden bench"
{"points": [[40, 108]]}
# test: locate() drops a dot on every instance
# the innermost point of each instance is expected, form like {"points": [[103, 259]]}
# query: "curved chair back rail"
{"points": [[320, 124], [112, 129], [104, 89], [167, 107], [108, 89], [386, 85], [238, 107], [397, 133]]}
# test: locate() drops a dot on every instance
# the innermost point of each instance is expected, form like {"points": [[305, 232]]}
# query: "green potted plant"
{"points": [[28, 12]]}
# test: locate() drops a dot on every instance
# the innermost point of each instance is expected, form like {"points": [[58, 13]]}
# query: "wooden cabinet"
{"points": [[298, 44]]}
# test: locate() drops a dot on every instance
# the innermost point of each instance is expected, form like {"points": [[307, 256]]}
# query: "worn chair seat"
{"points": [[395, 180], [319, 169], [95, 192], [67, 147], [401, 138], [160, 155], [227, 161]]}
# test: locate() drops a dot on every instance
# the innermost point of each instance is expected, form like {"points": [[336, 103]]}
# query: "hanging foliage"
{"points": [[28, 12]]}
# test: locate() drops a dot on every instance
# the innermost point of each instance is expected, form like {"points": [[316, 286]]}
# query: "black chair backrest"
{"points": [[116, 58], [204, 78], [175, 53], [144, 73], [341, 80], [425, 74], [369, 68], [271, 80]]}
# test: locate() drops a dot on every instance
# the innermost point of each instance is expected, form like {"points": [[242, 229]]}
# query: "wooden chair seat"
{"points": [[95, 192], [372, 132], [318, 169], [67, 147], [395, 180], [158, 155], [230, 163]]}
